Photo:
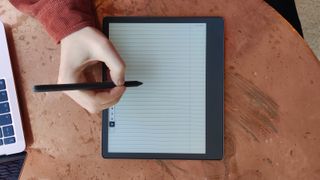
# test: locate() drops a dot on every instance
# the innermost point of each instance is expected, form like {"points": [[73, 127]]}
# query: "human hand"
{"points": [[85, 47]]}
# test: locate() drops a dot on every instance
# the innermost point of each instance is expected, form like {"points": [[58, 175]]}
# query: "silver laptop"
{"points": [[12, 142]]}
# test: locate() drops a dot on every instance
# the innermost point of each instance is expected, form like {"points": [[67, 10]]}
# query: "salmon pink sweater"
{"points": [[59, 17]]}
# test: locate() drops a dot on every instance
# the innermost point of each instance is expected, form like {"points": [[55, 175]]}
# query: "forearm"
{"points": [[59, 17]]}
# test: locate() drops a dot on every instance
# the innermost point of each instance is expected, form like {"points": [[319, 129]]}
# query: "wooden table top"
{"points": [[272, 100]]}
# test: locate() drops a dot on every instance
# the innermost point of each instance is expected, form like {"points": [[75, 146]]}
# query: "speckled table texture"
{"points": [[272, 100]]}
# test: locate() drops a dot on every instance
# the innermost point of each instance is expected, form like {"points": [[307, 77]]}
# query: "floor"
{"points": [[309, 13]]}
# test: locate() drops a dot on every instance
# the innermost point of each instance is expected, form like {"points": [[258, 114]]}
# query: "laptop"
{"points": [[12, 141]]}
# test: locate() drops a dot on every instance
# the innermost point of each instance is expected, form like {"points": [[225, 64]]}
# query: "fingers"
{"points": [[96, 102], [92, 101], [112, 59], [115, 93], [80, 50]]}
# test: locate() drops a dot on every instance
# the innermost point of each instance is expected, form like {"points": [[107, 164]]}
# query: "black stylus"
{"points": [[81, 86]]}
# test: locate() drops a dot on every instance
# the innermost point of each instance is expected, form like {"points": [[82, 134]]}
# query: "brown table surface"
{"points": [[272, 100]]}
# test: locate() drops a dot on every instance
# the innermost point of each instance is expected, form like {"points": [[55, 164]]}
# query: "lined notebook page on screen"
{"points": [[167, 113]]}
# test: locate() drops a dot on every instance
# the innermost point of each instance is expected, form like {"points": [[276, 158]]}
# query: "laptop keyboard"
{"points": [[6, 127], [10, 166], [11, 170]]}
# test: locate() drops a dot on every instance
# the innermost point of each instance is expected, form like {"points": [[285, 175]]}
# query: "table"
{"points": [[272, 100]]}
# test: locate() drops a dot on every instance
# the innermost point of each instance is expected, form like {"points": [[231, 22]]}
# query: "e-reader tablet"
{"points": [[178, 111]]}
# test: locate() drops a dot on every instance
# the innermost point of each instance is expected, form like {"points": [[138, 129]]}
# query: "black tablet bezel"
{"points": [[214, 88]]}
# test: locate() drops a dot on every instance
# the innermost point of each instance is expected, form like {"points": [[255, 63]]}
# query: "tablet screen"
{"points": [[167, 114]]}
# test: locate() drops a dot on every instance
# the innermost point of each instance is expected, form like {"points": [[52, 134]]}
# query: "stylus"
{"points": [[81, 86]]}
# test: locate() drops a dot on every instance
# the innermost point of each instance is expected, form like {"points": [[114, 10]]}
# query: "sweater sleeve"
{"points": [[59, 17]]}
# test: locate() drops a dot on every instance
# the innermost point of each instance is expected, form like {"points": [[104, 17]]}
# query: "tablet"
{"points": [[178, 111]]}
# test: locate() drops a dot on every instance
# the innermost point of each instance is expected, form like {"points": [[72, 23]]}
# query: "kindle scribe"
{"points": [[178, 111]]}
